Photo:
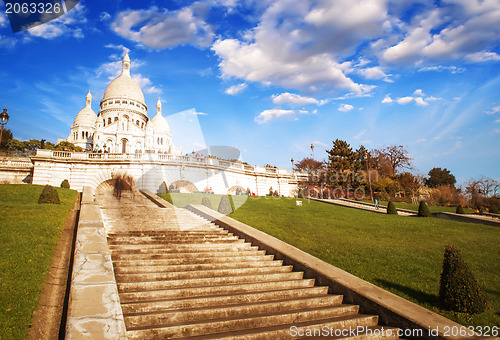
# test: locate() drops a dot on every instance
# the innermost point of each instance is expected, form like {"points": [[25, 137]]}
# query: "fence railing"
{"points": [[160, 157]]}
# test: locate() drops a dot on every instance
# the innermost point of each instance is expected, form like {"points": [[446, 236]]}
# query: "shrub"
{"points": [[206, 202], [460, 209], [49, 195], [391, 209], [423, 210], [459, 290], [65, 184], [225, 206]]}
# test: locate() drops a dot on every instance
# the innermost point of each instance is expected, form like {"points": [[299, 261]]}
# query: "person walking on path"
{"points": [[376, 199]]}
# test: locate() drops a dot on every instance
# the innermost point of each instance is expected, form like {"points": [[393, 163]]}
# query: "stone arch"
{"points": [[182, 186], [236, 190]]}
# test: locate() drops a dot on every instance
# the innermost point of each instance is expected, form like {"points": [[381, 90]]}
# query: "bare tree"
{"points": [[398, 157]]}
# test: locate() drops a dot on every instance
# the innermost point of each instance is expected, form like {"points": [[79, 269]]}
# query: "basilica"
{"points": [[122, 124]]}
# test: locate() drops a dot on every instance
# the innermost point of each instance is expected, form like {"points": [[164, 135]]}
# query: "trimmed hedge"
{"points": [[49, 195], [391, 208], [459, 290], [460, 210], [225, 206], [206, 202], [423, 210], [65, 184]]}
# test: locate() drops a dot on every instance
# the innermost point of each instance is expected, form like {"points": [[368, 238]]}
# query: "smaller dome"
{"points": [[158, 122], [86, 116]]}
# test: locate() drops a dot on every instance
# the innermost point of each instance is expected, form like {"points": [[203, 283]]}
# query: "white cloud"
{"points": [[418, 92], [160, 29], [345, 107], [268, 115], [3, 19], [417, 98], [235, 89], [295, 99], [318, 143], [104, 16], [423, 140], [440, 68], [457, 29], [257, 63], [300, 44], [67, 24], [493, 110], [387, 99], [374, 73], [480, 57], [497, 121], [145, 83]]}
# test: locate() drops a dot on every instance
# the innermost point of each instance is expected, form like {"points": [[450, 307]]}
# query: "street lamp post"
{"points": [[4, 119], [367, 155], [292, 164]]}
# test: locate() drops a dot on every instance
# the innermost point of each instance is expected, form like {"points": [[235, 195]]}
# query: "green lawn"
{"points": [[28, 235], [432, 208], [401, 254]]}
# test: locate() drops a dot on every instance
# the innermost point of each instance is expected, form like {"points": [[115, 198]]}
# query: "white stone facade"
{"points": [[122, 124], [152, 171]]}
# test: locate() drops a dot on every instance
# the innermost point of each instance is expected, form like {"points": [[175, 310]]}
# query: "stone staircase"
{"points": [[181, 276]]}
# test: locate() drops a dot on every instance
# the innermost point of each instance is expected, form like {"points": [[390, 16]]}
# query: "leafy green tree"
{"points": [[17, 145], [438, 177], [67, 146], [6, 137], [340, 163]]}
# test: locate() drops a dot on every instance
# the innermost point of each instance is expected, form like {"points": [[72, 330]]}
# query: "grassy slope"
{"points": [[401, 254], [28, 235]]}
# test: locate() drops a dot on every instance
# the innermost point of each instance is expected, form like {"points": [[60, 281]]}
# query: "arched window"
{"points": [[116, 118], [83, 134], [109, 120]]}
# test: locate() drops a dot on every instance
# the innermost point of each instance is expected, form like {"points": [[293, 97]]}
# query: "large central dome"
{"points": [[124, 86]]}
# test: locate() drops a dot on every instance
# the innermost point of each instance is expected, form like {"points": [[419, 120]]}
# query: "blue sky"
{"points": [[272, 77]]}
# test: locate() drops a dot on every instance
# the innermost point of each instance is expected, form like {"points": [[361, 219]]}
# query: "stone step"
{"points": [[156, 261], [142, 241], [357, 327], [226, 324], [183, 251], [247, 310], [147, 277], [185, 247], [144, 233], [213, 281], [159, 238], [224, 300], [214, 291], [193, 267]]}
